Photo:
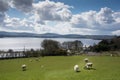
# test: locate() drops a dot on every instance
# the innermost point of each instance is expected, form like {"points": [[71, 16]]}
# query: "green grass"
{"points": [[61, 68]]}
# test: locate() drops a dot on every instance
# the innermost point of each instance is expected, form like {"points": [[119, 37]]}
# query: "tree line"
{"points": [[55, 48], [107, 45]]}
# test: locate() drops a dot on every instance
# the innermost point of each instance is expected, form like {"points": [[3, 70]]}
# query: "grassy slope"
{"points": [[61, 68]]}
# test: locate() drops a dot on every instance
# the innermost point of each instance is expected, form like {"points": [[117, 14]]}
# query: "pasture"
{"points": [[60, 68]]}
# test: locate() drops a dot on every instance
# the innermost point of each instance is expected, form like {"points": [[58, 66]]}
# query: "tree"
{"points": [[75, 46], [33, 53], [11, 53], [107, 45], [50, 47]]}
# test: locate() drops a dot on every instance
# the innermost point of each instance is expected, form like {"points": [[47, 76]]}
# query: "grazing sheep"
{"points": [[23, 67], [88, 65], [76, 68], [111, 55], [86, 60]]}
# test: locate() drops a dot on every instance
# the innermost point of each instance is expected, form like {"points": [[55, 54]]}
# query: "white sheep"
{"points": [[76, 68], [86, 60], [23, 67], [111, 55], [88, 65]]}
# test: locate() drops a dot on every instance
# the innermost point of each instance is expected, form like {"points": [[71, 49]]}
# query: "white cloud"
{"points": [[117, 32], [17, 24], [105, 16], [84, 19], [51, 11], [62, 28], [104, 20], [59, 27], [56, 17]]}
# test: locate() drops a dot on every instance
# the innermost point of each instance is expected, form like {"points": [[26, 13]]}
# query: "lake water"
{"points": [[35, 43]]}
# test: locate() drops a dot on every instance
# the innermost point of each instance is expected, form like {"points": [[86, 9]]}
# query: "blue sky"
{"points": [[92, 17], [79, 6], [85, 5]]}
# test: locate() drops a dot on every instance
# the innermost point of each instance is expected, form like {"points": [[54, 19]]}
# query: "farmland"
{"points": [[60, 68]]}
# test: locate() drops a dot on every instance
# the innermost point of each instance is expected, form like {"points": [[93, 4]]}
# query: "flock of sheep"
{"points": [[88, 65], [24, 66]]}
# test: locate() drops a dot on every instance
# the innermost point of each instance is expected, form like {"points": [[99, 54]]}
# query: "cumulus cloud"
{"points": [[22, 5], [62, 28], [3, 8], [56, 17], [105, 20], [18, 24], [84, 19], [105, 15], [51, 11]]}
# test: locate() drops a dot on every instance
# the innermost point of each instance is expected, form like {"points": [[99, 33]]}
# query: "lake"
{"points": [[35, 43]]}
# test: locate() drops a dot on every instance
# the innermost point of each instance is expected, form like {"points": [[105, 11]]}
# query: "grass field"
{"points": [[60, 68]]}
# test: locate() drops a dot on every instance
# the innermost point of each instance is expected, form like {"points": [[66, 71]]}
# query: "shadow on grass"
{"points": [[89, 68], [78, 71]]}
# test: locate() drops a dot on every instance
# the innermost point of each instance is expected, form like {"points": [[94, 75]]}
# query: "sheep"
{"points": [[111, 55], [23, 67], [86, 60], [76, 68], [88, 65]]}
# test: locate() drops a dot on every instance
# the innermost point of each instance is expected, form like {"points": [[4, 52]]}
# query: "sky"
{"points": [[84, 17]]}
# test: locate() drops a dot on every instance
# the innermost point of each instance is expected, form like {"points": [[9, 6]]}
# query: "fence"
{"points": [[5, 55]]}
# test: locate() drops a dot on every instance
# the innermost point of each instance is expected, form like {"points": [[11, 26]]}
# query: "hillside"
{"points": [[53, 35]]}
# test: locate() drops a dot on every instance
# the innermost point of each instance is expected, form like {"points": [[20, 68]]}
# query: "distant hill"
{"points": [[16, 34], [53, 35]]}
